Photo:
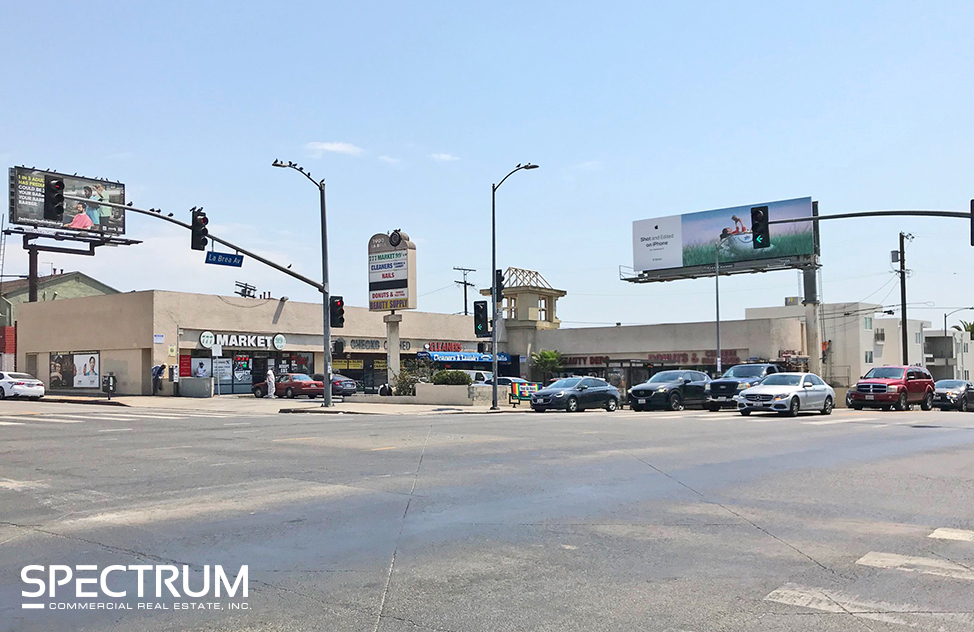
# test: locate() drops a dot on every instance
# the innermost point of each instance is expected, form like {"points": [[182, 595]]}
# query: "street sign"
{"points": [[224, 259]]}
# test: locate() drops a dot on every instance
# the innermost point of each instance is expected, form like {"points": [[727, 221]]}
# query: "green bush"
{"points": [[458, 378], [406, 382]]}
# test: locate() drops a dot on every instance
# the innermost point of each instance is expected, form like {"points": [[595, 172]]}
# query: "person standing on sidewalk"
{"points": [[157, 372], [269, 381]]}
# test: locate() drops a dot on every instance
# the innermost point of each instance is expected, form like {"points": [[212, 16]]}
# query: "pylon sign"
{"points": [[392, 272]]}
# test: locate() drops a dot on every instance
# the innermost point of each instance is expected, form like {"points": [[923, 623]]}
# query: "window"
{"points": [[867, 323], [511, 308], [967, 375], [965, 347], [879, 334], [918, 337], [542, 309], [869, 357]]}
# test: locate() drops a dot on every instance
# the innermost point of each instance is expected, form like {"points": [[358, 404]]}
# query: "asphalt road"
{"points": [[588, 521]]}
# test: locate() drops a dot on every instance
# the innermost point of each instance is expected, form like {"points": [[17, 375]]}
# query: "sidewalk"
{"points": [[243, 404]]}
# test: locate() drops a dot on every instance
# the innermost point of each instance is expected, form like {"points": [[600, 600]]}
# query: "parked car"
{"points": [[721, 392], [340, 385], [478, 377], [292, 385], [957, 394], [670, 389], [788, 394], [20, 385], [888, 386], [576, 393]]}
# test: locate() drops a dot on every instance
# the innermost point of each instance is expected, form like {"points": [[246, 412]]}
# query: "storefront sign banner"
{"points": [[249, 341]]}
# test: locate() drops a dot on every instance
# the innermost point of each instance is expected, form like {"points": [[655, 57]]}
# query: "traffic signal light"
{"points": [[54, 198], [336, 308], [480, 319], [339, 348], [499, 283], [760, 231], [198, 227]]}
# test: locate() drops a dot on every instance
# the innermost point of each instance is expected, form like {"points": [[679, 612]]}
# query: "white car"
{"points": [[788, 394], [20, 385]]}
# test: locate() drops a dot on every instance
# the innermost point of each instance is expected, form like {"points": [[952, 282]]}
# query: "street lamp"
{"points": [[326, 395], [959, 309], [493, 274], [717, 292]]}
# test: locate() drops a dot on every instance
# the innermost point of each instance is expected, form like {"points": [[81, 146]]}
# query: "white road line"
{"points": [[946, 533], [237, 423], [824, 422], [82, 418], [115, 430], [912, 564], [11, 423], [827, 600], [32, 606]]}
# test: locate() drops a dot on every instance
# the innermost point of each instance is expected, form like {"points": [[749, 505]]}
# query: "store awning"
{"points": [[461, 356]]}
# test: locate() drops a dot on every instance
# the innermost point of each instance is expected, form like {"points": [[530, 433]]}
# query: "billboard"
{"points": [[80, 369], [392, 272], [681, 246], [27, 202]]}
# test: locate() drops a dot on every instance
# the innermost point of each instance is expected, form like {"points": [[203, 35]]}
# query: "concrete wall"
{"points": [[196, 387]]}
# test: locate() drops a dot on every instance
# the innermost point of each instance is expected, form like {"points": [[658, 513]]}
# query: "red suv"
{"points": [[888, 386]]}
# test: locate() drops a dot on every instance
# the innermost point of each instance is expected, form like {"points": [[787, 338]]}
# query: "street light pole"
{"points": [[717, 295], [493, 282], [325, 296]]}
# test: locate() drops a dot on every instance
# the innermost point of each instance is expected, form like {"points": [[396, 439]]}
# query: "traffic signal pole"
{"points": [[904, 335]]}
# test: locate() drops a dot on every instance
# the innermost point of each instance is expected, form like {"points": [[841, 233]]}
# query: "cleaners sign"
{"points": [[392, 272]]}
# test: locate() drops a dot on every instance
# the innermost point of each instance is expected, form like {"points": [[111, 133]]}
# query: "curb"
{"points": [[95, 402]]}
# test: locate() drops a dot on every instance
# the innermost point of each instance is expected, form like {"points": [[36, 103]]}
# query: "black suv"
{"points": [[721, 392]]}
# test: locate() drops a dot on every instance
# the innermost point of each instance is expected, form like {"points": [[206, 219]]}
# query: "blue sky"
{"points": [[411, 110]]}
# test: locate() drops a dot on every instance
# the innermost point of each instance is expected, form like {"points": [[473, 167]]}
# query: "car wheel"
{"points": [[3, 393], [611, 405], [793, 407], [674, 402], [963, 405], [714, 408], [636, 408], [571, 405], [827, 409], [901, 402], [745, 412], [927, 403], [289, 393], [258, 391], [538, 410], [34, 398]]}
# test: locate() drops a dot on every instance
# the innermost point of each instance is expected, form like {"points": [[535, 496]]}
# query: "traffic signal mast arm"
{"points": [[816, 218], [159, 215]]}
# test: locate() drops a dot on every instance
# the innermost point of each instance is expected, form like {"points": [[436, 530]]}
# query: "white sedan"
{"points": [[20, 385], [788, 394]]}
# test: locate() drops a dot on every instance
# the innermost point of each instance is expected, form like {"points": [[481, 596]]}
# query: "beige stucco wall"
{"points": [[758, 337]]}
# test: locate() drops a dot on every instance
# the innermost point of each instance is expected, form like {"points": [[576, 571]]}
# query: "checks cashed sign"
{"points": [[392, 272]]}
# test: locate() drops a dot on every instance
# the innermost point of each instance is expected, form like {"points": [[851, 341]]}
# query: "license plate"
{"points": [[870, 397], [722, 399], [640, 401]]}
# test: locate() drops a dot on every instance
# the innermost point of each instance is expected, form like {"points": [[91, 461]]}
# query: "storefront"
{"points": [[231, 339]]}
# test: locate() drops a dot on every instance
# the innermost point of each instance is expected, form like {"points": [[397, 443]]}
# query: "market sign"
{"points": [[392, 272], [209, 340], [27, 202]]}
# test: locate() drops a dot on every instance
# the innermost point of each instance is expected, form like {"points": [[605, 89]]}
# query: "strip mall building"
{"points": [[70, 343]]}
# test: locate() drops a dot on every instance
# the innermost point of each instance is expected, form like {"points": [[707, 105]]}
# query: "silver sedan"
{"points": [[788, 394]]}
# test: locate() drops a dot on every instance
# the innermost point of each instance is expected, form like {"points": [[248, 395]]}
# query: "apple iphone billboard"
{"points": [[688, 241]]}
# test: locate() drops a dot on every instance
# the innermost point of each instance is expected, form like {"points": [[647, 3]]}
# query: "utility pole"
{"points": [[465, 285], [905, 337]]}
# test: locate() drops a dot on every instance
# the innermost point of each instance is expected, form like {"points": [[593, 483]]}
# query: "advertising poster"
{"points": [[392, 272], [201, 367], [27, 202], [691, 240], [86, 370], [62, 370]]}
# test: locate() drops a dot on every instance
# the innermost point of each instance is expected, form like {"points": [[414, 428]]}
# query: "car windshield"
{"points": [[744, 371], [666, 376], [950, 384], [566, 383], [781, 379], [300, 377], [885, 373], [20, 376]]}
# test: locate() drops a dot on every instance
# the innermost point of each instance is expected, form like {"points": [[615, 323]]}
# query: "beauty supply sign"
{"points": [[392, 272]]}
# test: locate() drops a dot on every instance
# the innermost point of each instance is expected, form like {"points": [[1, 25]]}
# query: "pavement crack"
{"points": [[402, 525], [739, 516]]}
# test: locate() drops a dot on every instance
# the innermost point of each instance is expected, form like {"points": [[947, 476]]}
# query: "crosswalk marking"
{"points": [[946, 533], [11, 423], [913, 564]]}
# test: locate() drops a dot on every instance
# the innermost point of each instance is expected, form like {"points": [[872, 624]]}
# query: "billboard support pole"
{"points": [[717, 298], [31, 271], [813, 338]]}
